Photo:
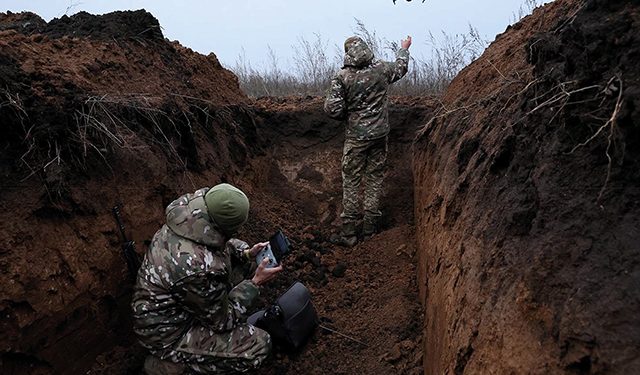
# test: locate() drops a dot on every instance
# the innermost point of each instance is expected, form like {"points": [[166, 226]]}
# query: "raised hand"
{"points": [[406, 43]]}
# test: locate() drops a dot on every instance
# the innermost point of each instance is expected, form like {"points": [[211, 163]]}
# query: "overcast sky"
{"points": [[225, 27]]}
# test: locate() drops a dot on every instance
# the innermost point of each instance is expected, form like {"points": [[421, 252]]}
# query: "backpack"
{"points": [[291, 320]]}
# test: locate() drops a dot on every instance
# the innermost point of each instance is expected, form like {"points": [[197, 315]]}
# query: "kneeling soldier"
{"points": [[187, 310]]}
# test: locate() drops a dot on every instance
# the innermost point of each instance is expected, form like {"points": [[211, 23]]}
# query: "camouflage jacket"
{"points": [[358, 92], [185, 276]]}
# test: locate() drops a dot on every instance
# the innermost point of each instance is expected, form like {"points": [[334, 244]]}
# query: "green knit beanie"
{"points": [[228, 206]]}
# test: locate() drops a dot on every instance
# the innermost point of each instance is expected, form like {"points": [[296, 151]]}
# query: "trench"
{"points": [[64, 305], [529, 269], [367, 294]]}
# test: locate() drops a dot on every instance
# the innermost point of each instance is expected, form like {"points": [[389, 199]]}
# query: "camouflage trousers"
{"points": [[206, 352], [362, 160]]}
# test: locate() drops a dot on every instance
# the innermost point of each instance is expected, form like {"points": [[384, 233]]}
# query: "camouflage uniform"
{"points": [[186, 309], [358, 93]]}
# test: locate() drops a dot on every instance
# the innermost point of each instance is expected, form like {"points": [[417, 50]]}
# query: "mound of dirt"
{"points": [[99, 74], [115, 25], [122, 54], [526, 200]]}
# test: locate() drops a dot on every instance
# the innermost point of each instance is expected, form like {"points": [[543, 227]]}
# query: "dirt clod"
{"points": [[339, 270]]}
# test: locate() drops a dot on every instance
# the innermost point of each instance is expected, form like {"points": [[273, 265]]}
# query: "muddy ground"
{"points": [[368, 292]]}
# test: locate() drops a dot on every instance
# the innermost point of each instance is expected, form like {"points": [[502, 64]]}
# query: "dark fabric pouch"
{"points": [[291, 320]]}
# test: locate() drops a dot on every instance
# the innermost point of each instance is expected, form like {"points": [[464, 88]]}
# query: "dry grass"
{"points": [[96, 128], [316, 61]]}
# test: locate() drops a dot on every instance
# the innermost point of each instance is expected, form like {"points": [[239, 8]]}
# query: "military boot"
{"points": [[156, 366], [347, 236], [369, 227]]}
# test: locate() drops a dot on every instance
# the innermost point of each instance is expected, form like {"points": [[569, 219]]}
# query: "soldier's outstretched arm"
{"points": [[399, 68]]}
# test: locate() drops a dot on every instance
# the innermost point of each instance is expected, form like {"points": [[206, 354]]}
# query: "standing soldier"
{"points": [[186, 309], [358, 93]]}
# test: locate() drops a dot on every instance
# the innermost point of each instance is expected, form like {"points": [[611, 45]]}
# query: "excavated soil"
{"points": [[100, 111], [527, 200]]}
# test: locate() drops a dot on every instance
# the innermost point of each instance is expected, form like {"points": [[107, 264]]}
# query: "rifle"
{"points": [[128, 247]]}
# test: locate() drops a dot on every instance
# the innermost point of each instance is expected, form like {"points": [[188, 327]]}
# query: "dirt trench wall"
{"points": [[529, 244], [66, 290], [97, 113]]}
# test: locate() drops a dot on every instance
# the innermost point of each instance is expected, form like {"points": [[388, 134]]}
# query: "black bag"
{"points": [[291, 320]]}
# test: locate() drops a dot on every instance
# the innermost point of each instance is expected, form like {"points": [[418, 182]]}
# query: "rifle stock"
{"points": [[128, 247]]}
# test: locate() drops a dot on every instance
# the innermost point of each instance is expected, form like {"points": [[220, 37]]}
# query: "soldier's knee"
{"points": [[249, 352], [263, 345], [257, 352]]}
